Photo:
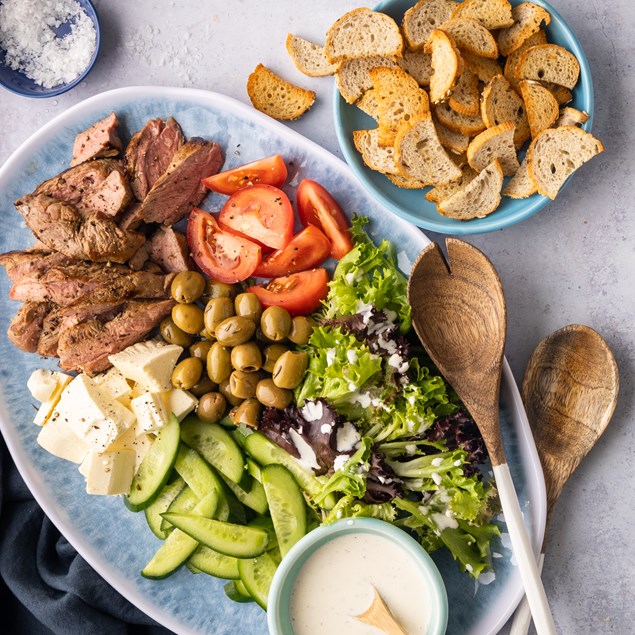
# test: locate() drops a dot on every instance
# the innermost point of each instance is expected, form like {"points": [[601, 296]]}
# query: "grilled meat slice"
{"points": [[100, 140], [86, 346], [64, 228], [22, 266], [169, 249], [109, 198], [179, 189], [26, 325], [150, 152], [130, 218]]}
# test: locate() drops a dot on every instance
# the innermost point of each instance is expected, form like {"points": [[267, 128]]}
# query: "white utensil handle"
{"points": [[525, 558], [522, 616]]}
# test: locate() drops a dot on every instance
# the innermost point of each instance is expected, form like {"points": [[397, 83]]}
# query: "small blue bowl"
{"points": [[278, 613], [411, 204], [18, 83]]}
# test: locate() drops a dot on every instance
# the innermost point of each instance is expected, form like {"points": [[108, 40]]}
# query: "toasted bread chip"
{"points": [[467, 125], [471, 37], [549, 63], [540, 37], [556, 153], [405, 183], [277, 97], [375, 156], [483, 67], [369, 104], [492, 14], [541, 105], [480, 197], [464, 97], [446, 65], [571, 117], [363, 33], [418, 65], [308, 57], [520, 185], [456, 142], [419, 154], [494, 143], [441, 192], [563, 95], [528, 17], [353, 76], [419, 21], [501, 103]]}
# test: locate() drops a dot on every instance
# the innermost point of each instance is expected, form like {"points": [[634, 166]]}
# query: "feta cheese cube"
{"points": [[113, 383], [179, 402], [133, 439], [58, 438], [46, 409], [109, 473], [150, 411], [148, 363]]}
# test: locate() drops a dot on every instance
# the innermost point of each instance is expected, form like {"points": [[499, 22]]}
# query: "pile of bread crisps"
{"points": [[457, 90]]}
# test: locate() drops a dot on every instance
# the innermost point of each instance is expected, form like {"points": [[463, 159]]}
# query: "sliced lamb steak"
{"points": [[86, 346], [180, 189], [150, 152], [169, 249], [100, 140], [26, 325], [109, 198], [64, 228], [22, 266]]}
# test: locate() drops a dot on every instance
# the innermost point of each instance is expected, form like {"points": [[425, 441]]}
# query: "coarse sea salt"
{"points": [[30, 35]]}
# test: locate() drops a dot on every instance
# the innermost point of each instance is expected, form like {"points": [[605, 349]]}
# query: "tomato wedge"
{"points": [[224, 256], [271, 171], [317, 207], [262, 213], [299, 293], [307, 249]]}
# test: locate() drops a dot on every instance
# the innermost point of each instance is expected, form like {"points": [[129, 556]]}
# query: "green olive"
{"points": [[217, 310], [272, 353], [268, 394], [235, 330], [172, 334], [275, 323], [301, 330], [216, 289], [260, 336], [248, 413], [205, 334], [205, 385], [211, 407], [243, 385], [247, 357], [200, 350], [248, 305], [187, 287], [218, 363], [187, 373], [289, 370], [223, 389], [188, 317]]}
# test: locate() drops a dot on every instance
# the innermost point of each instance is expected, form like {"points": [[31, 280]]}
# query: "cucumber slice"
{"points": [[178, 546], [253, 469], [191, 568], [251, 494], [256, 574], [161, 504], [266, 523], [154, 471], [213, 563], [184, 503], [215, 445], [229, 539], [233, 593], [196, 472], [286, 506], [236, 511]]}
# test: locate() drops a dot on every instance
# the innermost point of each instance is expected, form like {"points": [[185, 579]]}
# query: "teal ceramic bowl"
{"points": [[278, 614], [411, 204]]}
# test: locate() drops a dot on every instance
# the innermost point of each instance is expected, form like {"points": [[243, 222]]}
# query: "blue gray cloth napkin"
{"points": [[45, 586]]}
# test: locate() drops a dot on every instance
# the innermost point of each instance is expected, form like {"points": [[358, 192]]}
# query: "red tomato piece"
{"points": [[317, 207], [221, 255], [262, 213], [307, 249], [271, 171], [299, 293]]}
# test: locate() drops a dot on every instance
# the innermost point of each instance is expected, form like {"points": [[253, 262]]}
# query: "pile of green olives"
{"points": [[239, 354]]}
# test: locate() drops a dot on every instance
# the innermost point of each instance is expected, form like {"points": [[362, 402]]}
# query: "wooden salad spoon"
{"points": [[379, 616], [570, 392], [459, 314]]}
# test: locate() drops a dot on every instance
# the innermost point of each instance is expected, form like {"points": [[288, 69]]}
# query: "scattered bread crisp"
{"points": [[369, 104], [492, 14], [308, 57], [571, 117], [376, 157], [549, 63], [494, 143], [563, 95], [480, 197], [419, 21], [465, 98], [483, 67], [363, 33], [418, 65], [446, 65], [520, 185], [469, 125], [501, 103], [353, 76], [277, 97], [541, 105], [471, 37], [527, 17], [540, 37], [441, 192], [451, 140], [558, 152]]}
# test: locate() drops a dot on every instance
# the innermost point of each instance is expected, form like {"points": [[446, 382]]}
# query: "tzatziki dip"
{"points": [[336, 583]]}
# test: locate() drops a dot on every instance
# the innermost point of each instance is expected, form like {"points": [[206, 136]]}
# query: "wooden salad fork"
{"points": [[379, 616]]}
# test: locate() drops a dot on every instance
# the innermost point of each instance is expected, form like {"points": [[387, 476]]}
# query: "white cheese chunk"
{"points": [[148, 363], [133, 439], [58, 438], [113, 383], [46, 409], [179, 402], [150, 411], [92, 414], [109, 473]]}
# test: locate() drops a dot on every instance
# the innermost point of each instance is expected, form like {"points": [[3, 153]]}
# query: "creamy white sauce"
{"points": [[336, 583], [347, 437], [307, 459]]}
